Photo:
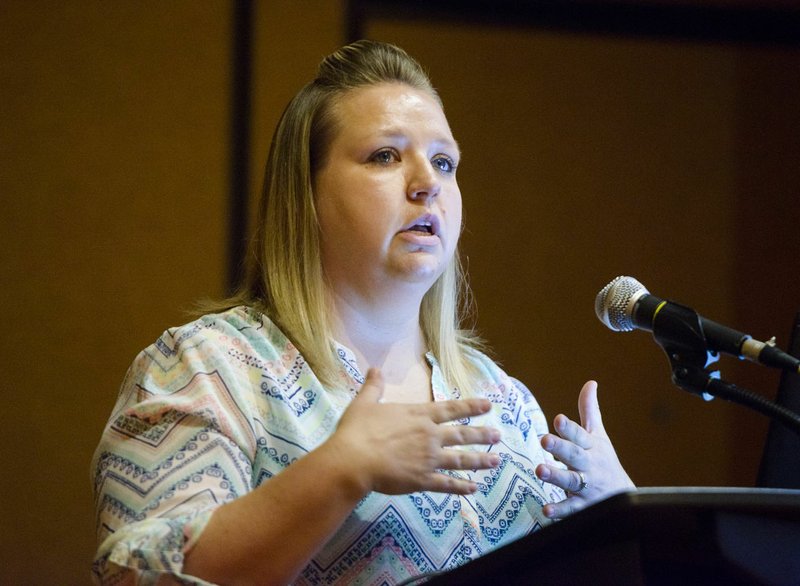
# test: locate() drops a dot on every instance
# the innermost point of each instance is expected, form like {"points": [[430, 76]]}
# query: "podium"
{"points": [[655, 536]]}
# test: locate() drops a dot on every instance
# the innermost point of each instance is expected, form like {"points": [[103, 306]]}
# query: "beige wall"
{"points": [[583, 158]]}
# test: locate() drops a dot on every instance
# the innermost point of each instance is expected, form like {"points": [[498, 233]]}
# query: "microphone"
{"points": [[625, 304]]}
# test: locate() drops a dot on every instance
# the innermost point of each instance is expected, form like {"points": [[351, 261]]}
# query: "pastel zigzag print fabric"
{"points": [[219, 406]]}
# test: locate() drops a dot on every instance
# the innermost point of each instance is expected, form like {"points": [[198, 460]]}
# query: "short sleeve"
{"points": [[178, 445]]}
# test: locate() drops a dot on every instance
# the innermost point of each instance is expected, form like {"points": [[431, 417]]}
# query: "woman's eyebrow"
{"points": [[397, 134]]}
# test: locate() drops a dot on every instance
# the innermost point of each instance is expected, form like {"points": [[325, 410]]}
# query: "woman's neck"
{"points": [[386, 337]]}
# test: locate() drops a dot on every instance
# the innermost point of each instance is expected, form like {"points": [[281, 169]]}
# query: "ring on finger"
{"points": [[583, 485]]}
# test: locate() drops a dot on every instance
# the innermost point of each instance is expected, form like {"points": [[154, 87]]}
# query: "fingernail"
{"points": [[494, 460], [494, 436], [544, 473]]}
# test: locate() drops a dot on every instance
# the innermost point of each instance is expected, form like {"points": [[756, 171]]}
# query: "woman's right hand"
{"points": [[398, 448]]}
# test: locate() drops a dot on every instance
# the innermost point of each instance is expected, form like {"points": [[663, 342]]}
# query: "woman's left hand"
{"points": [[593, 468]]}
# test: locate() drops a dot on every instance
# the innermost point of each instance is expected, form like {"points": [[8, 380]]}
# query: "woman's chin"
{"points": [[421, 271]]}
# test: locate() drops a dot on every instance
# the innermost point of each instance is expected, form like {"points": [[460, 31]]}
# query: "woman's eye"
{"points": [[444, 164], [384, 157]]}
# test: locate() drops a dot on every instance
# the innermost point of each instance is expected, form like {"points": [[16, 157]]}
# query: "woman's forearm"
{"points": [[268, 535]]}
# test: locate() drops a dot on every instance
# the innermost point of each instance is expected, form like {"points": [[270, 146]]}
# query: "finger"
{"points": [[589, 408], [572, 432], [568, 480], [563, 508], [565, 451], [372, 389], [463, 435], [458, 409], [449, 484], [467, 460]]}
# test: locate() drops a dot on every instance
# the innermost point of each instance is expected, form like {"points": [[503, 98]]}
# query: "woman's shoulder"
{"points": [[239, 335], [237, 327]]}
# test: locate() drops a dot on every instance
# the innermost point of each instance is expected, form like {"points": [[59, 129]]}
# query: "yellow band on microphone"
{"points": [[655, 313]]}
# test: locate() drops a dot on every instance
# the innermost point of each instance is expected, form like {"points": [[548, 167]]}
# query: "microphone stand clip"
{"points": [[679, 332]]}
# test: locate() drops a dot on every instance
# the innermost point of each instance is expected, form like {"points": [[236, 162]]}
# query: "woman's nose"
{"points": [[424, 183]]}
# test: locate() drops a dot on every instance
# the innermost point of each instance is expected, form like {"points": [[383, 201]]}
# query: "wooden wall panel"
{"points": [[767, 242], [114, 184], [113, 177]]}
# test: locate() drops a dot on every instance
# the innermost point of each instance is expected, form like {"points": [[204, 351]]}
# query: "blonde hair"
{"points": [[284, 277]]}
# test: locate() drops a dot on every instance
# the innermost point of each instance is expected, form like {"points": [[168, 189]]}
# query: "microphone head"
{"points": [[615, 302]]}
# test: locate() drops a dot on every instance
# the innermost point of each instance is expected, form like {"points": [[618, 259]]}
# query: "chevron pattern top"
{"points": [[217, 407]]}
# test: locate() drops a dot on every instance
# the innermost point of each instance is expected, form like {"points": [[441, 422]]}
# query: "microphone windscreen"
{"points": [[614, 303]]}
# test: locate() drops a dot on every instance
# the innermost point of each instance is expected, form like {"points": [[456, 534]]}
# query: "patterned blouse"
{"points": [[217, 407]]}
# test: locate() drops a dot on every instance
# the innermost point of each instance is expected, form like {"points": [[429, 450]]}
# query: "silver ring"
{"points": [[584, 485]]}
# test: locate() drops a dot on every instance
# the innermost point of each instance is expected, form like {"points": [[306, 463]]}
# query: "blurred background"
{"points": [[654, 139]]}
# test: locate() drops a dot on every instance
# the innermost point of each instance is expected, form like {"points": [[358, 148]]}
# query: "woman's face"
{"points": [[388, 203]]}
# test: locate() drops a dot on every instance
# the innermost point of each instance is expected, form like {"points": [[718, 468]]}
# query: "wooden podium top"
{"points": [[658, 536]]}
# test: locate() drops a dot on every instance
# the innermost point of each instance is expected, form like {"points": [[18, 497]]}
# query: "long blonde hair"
{"points": [[284, 277]]}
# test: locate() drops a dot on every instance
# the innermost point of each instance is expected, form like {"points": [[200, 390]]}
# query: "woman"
{"points": [[250, 446]]}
